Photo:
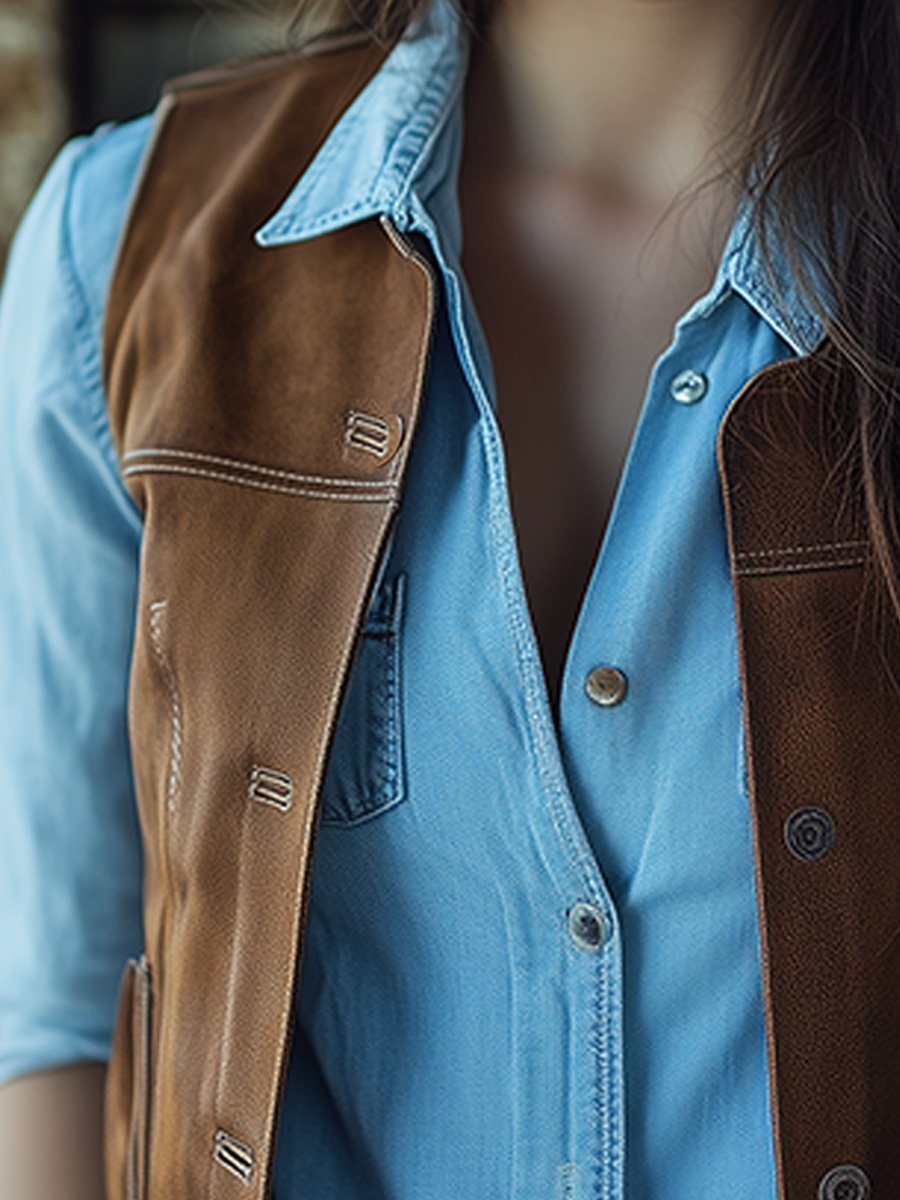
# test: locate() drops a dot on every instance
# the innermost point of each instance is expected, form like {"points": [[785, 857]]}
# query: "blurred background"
{"points": [[67, 65]]}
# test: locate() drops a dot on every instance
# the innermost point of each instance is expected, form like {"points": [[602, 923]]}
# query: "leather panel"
{"points": [[236, 377], [823, 734]]}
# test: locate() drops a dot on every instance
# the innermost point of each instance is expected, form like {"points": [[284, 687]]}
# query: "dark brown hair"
{"points": [[823, 116]]}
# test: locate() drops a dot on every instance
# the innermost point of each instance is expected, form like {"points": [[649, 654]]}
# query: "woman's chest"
{"points": [[573, 329]]}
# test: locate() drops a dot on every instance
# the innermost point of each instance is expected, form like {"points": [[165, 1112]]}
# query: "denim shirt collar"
{"points": [[376, 151], [395, 151]]}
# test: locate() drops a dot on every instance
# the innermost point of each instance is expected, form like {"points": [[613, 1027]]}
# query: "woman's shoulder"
{"points": [[83, 201], [102, 169], [68, 235], [66, 246]]}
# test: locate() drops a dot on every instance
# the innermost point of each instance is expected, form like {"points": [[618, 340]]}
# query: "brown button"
{"points": [[606, 685]]}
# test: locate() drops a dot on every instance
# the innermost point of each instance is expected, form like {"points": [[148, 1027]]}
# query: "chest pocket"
{"points": [[365, 772]]}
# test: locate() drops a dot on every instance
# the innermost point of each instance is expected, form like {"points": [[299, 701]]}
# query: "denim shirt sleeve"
{"points": [[70, 854]]}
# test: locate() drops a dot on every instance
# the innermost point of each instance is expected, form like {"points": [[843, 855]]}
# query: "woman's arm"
{"points": [[51, 1133], [70, 859]]}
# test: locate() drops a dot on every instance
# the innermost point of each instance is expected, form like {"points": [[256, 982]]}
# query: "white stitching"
{"points": [[246, 465], [776, 569], [799, 549], [389, 488], [175, 704]]}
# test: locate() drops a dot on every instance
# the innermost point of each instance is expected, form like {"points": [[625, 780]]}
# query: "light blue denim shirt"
{"points": [[461, 1034]]}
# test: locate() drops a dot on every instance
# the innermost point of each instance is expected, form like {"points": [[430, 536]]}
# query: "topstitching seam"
{"points": [[813, 546], [156, 610], [779, 568], [386, 494], [247, 465]]}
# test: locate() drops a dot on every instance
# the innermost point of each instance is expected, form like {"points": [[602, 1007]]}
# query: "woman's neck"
{"points": [[632, 95]]}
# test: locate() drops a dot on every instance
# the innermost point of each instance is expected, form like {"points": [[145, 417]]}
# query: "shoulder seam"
{"points": [[88, 353], [71, 278]]}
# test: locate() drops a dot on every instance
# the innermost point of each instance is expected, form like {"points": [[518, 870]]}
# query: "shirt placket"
{"points": [[579, 1073]]}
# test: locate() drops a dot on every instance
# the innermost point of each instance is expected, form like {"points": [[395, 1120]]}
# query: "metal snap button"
{"points": [[846, 1182], [809, 832], [587, 925], [688, 386], [606, 685]]}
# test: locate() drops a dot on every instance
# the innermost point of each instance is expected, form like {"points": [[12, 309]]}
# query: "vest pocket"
{"points": [[127, 1089], [364, 774]]}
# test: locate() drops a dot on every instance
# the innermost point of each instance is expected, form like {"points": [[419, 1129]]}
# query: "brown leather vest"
{"points": [[263, 403]]}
